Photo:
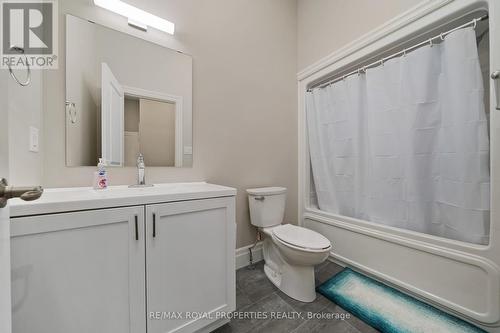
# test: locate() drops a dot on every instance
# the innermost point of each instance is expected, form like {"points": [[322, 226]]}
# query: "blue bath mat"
{"points": [[387, 309]]}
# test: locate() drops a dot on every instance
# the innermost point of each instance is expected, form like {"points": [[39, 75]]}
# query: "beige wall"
{"points": [[131, 125], [131, 115], [324, 26], [82, 88], [4, 117], [21, 107], [245, 57], [157, 132], [244, 97], [25, 110]]}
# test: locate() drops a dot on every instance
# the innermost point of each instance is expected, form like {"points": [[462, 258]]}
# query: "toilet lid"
{"points": [[301, 237]]}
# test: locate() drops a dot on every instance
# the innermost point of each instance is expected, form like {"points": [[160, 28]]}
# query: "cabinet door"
{"points": [[79, 272], [190, 266]]}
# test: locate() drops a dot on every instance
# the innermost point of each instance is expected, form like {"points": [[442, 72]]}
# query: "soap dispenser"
{"points": [[100, 176], [141, 177]]}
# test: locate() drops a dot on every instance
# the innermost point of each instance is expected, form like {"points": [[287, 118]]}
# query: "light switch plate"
{"points": [[34, 136]]}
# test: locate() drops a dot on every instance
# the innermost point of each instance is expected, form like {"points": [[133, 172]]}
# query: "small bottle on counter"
{"points": [[100, 176]]}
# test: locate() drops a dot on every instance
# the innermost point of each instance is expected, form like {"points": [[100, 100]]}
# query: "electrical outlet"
{"points": [[34, 139]]}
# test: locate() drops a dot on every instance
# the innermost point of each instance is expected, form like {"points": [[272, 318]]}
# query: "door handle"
{"points": [[24, 193], [154, 225], [495, 76]]}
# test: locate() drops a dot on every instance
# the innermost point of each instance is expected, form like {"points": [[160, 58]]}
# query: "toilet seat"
{"points": [[301, 238]]}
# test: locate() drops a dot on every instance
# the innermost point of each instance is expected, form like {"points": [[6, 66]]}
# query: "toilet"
{"points": [[290, 252]]}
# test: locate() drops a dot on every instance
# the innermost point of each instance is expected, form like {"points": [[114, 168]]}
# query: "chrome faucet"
{"points": [[141, 170], [141, 173]]}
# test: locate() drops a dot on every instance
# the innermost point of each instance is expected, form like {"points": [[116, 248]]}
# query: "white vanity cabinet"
{"points": [[124, 269], [78, 272], [190, 263]]}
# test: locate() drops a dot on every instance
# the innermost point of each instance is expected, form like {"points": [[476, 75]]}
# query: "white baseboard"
{"points": [[243, 255]]}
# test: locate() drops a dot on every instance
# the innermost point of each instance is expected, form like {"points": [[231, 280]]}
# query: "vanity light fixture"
{"points": [[137, 17]]}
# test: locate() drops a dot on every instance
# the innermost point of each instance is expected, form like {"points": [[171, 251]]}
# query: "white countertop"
{"points": [[57, 200]]}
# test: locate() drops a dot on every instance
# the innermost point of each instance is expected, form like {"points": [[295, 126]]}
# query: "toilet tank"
{"points": [[267, 206]]}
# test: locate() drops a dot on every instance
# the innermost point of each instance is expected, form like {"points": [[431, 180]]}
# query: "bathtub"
{"points": [[460, 278]]}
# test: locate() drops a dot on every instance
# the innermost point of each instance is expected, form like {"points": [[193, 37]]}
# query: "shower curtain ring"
{"points": [[381, 62], [474, 23], [430, 43], [441, 36], [404, 52]]}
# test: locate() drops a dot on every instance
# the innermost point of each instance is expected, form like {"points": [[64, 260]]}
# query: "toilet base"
{"points": [[291, 270], [296, 282]]}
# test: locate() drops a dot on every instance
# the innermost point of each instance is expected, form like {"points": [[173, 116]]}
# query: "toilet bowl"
{"points": [[290, 252]]}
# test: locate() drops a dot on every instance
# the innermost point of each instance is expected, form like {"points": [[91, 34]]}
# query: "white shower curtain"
{"points": [[406, 144]]}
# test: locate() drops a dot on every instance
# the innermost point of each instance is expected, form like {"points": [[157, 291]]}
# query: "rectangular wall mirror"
{"points": [[125, 96]]}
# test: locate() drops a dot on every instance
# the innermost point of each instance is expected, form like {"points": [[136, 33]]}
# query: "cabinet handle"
{"points": [[154, 225], [136, 229], [495, 76]]}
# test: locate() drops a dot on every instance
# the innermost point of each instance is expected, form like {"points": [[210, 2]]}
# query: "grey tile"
{"points": [[242, 300], [255, 293], [270, 304], [331, 319], [319, 267], [225, 329], [274, 303], [279, 326], [361, 325], [326, 272], [254, 282], [273, 306], [243, 325], [319, 303], [330, 265], [325, 326], [244, 272]]}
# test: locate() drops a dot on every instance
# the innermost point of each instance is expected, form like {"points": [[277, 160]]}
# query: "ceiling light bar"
{"points": [[136, 15]]}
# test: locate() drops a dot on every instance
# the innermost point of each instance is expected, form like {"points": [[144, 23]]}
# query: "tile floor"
{"points": [[255, 293]]}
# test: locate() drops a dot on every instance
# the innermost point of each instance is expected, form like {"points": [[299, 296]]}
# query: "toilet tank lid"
{"points": [[266, 190]]}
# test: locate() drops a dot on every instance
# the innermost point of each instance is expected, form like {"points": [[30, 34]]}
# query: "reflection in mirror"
{"points": [[146, 123], [125, 97]]}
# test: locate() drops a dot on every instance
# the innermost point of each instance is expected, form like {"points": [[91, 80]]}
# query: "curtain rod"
{"points": [[403, 52]]}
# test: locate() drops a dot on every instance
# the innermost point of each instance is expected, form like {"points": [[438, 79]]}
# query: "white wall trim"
{"points": [[162, 97], [243, 255]]}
